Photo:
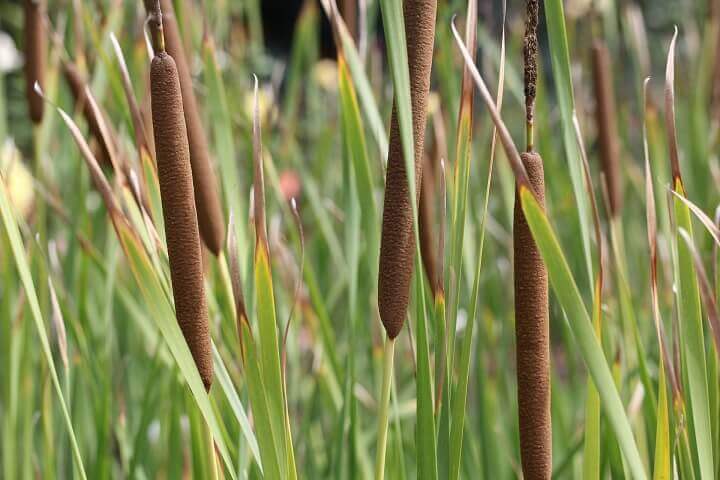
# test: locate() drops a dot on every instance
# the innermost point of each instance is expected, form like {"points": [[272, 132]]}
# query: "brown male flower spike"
{"points": [[532, 329], [178, 204], [207, 202], [35, 49], [397, 246]]}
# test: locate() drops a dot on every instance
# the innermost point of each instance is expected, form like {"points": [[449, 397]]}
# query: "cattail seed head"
{"points": [[607, 124], [178, 204], [207, 202], [397, 247], [35, 53], [532, 332]]}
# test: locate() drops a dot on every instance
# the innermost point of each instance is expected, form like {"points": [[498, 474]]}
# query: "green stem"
{"points": [[388, 354]]}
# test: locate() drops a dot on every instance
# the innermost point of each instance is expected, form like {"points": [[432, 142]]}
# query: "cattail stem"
{"points": [[384, 408], [181, 226], [532, 332], [35, 52]]}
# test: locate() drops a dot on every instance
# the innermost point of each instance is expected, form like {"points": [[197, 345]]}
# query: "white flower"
{"points": [[10, 58]]}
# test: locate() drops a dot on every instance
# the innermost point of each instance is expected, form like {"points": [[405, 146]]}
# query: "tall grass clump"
{"points": [[178, 205], [35, 56], [207, 201], [532, 324]]}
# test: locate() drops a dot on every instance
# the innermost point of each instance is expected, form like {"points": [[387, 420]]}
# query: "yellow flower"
{"points": [[17, 179]]}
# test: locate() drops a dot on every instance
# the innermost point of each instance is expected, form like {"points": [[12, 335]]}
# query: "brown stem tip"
{"points": [[532, 336], [178, 202], [397, 245]]}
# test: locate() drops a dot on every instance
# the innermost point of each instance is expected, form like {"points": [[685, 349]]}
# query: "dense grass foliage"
{"points": [[213, 263]]}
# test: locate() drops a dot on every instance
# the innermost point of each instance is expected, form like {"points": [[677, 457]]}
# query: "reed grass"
{"points": [[181, 224]]}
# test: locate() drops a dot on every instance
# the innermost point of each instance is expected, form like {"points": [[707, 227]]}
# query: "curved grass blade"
{"points": [[706, 221], [688, 295], [663, 454], [269, 345]]}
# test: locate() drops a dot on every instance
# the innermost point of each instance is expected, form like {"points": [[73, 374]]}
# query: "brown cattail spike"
{"points": [[35, 50], [178, 204], [532, 336], [607, 124], [209, 210], [397, 246], [530, 51]]}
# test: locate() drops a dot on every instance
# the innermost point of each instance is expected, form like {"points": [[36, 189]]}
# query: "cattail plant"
{"points": [[35, 50], [606, 120], [531, 294], [178, 202], [207, 202], [397, 247]]}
